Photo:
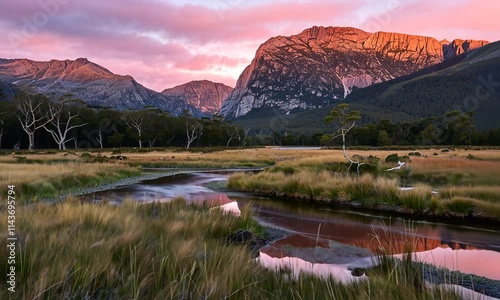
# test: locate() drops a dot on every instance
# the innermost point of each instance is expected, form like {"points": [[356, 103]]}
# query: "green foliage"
{"points": [[394, 158], [463, 206], [417, 154], [383, 138]]}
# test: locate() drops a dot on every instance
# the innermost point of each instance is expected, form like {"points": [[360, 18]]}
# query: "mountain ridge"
{"points": [[87, 81], [324, 64]]}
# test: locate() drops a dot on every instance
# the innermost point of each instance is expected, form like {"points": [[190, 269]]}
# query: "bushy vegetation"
{"points": [[323, 181]]}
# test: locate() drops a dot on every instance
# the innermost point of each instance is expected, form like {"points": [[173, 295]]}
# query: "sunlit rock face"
{"points": [[205, 95], [324, 64]]}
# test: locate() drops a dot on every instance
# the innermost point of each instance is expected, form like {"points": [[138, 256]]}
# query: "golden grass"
{"points": [[47, 180], [320, 185], [164, 251]]}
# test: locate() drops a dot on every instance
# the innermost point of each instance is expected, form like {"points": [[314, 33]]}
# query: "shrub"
{"points": [[460, 205], [395, 158], [418, 154]]}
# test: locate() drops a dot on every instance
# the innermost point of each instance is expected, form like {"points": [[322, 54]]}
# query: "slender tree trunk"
{"points": [[31, 138]]}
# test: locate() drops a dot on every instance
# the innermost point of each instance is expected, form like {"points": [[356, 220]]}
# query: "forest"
{"points": [[38, 122]]}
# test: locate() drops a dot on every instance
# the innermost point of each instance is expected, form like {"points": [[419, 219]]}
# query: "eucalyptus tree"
{"points": [[63, 119], [33, 113], [344, 119]]}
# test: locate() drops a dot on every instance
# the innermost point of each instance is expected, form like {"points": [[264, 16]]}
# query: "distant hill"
{"points": [[87, 81], [8, 91], [205, 95], [323, 65]]}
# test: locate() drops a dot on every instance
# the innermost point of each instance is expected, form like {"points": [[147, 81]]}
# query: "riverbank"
{"points": [[372, 192], [429, 273], [149, 174]]}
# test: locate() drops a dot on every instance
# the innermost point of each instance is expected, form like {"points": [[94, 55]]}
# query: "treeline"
{"points": [[30, 122], [35, 121], [453, 128]]}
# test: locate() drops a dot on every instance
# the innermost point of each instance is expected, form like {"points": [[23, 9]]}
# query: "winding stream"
{"points": [[329, 241]]}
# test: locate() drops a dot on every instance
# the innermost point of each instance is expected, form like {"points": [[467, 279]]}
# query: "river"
{"points": [[330, 241]]}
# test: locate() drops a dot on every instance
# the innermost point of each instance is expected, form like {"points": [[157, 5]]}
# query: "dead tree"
{"points": [[137, 123], [232, 133], [61, 119], [32, 117], [193, 131]]}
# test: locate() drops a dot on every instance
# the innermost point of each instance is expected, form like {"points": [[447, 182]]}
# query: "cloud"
{"points": [[164, 43]]}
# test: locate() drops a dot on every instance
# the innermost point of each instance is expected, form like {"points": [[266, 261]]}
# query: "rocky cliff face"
{"points": [[324, 64], [458, 47], [206, 95], [86, 81]]}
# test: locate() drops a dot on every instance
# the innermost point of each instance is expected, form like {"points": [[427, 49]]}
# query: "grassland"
{"points": [[47, 179], [177, 251], [165, 251], [467, 182]]}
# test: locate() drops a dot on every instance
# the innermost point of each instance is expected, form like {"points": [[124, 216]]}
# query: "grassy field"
{"points": [[166, 251], [468, 181], [177, 251], [47, 180]]}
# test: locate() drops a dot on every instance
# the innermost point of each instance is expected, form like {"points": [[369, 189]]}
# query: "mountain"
{"points": [[203, 94], [322, 65], [472, 83], [87, 81], [469, 82]]}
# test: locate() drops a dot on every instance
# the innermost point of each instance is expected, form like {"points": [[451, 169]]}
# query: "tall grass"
{"points": [[162, 251], [369, 191], [48, 180]]}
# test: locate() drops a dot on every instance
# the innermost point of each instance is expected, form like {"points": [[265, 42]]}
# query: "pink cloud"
{"points": [[458, 19], [163, 44]]}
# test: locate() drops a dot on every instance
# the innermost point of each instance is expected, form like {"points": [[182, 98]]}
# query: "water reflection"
{"points": [[329, 241], [470, 250]]}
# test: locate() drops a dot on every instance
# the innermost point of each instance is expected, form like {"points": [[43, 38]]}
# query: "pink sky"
{"points": [[163, 43]]}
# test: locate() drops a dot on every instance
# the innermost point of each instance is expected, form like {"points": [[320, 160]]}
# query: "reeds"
{"points": [[369, 191], [162, 251], [49, 180]]}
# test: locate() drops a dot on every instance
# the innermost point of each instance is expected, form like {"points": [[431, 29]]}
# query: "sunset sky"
{"points": [[163, 43]]}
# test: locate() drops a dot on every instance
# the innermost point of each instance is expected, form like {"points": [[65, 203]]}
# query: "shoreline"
{"points": [[145, 175], [396, 211]]}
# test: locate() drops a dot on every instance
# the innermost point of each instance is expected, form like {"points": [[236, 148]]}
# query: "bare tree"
{"points": [[32, 117], [232, 133], [193, 131], [61, 119], [235, 133], [100, 136], [245, 135], [2, 133], [345, 120], [2, 130], [136, 121]]}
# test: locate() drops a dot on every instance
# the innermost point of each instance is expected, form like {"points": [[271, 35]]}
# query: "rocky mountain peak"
{"points": [[324, 64], [203, 94]]}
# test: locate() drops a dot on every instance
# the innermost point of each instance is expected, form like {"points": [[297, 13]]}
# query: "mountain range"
{"points": [[322, 65], [90, 82], [386, 75]]}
